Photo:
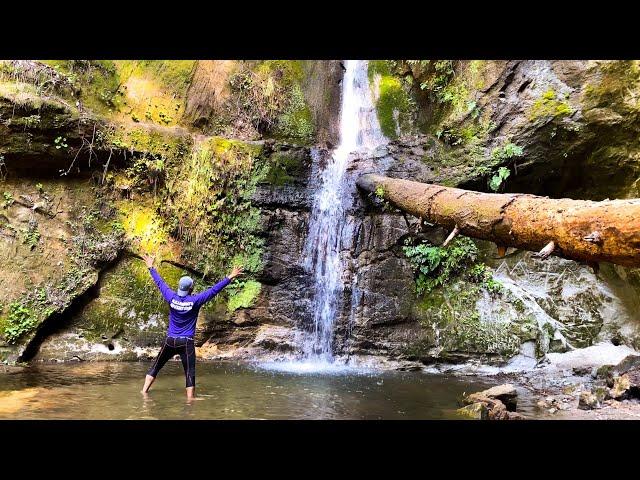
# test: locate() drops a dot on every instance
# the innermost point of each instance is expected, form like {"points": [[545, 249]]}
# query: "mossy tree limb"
{"points": [[581, 230]]}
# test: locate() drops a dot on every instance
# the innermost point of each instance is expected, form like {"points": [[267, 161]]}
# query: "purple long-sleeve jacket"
{"points": [[183, 311]]}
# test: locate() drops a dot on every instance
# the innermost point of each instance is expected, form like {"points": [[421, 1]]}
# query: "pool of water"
{"points": [[105, 390]]}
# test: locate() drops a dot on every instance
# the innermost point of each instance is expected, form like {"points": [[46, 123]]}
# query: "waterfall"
{"points": [[359, 132]]}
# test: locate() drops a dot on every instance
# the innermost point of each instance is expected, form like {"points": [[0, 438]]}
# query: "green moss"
{"points": [[207, 201], [289, 71], [96, 82], [296, 123], [549, 105], [153, 90], [612, 89], [26, 97], [394, 106], [475, 71], [142, 226], [450, 318], [244, 295], [173, 75], [284, 168], [268, 96]]}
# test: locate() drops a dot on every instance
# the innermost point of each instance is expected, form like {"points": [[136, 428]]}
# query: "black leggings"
{"points": [[182, 346]]}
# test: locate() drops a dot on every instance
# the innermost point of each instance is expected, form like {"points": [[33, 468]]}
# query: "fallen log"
{"points": [[581, 230]]}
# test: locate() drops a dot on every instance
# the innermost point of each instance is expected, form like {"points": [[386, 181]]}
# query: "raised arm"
{"points": [[208, 294], [167, 293]]}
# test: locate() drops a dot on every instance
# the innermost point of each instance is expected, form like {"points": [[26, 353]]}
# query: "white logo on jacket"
{"points": [[181, 306]]}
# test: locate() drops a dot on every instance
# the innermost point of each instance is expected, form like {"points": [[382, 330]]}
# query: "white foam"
{"points": [[313, 367]]}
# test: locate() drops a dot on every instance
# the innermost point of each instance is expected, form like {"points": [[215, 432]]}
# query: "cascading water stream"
{"points": [[359, 131]]}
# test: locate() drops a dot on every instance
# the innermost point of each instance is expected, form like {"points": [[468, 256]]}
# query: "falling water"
{"points": [[359, 131]]}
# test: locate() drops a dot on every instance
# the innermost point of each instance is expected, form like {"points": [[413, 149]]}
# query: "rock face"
{"points": [[576, 128]]}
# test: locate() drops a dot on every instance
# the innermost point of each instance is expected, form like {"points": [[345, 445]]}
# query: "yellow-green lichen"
{"points": [[150, 90], [142, 226], [394, 106], [549, 105], [614, 87], [207, 201]]}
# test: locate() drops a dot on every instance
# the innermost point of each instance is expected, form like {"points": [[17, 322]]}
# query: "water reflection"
{"points": [[226, 391]]}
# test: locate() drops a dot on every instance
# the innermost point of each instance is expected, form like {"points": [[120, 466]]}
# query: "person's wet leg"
{"points": [[165, 354], [188, 357]]}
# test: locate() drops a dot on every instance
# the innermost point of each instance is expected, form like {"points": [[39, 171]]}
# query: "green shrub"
{"points": [[19, 321], [506, 152], [244, 295], [436, 265]]}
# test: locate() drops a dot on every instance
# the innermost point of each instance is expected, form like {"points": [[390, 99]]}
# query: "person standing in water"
{"points": [[183, 314]]}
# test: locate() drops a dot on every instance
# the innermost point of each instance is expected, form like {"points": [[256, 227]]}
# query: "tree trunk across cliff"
{"points": [[579, 230]]}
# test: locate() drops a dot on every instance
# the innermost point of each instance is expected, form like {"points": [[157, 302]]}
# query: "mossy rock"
{"points": [[285, 167], [550, 104], [451, 319], [394, 106], [153, 91]]}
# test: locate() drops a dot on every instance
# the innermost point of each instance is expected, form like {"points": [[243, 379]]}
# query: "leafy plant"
{"points": [[479, 273], [60, 142], [32, 121], [19, 321], [497, 181], [243, 295], [435, 265], [31, 236], [506, 152], [8, 199]]}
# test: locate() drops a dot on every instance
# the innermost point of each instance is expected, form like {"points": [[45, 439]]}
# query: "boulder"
{"points": [[590, 400], [626, 385], [605, 372], [620, 387], [627, 363], [506, 393], [496, 403], [475, 411]]}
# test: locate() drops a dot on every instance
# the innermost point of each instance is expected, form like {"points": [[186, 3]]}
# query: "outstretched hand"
{"points": [[237, 270], [148, 259]]}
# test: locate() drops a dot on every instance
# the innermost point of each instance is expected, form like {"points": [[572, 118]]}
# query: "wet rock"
{"points": [[581, 371], [506, 393], [243, 318], [492, 400], [475, 411], [272, 337], [620, 387], [605, 372], [542, 404], [627, 385], [590, 400], [628, 363]]}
